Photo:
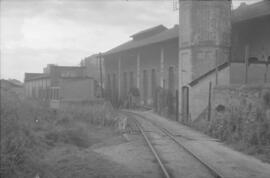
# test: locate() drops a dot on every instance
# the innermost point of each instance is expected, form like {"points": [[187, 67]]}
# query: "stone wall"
{"points": [[249, 98], [241, 113]]}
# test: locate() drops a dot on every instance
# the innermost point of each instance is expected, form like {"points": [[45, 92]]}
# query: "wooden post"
{"points": [[246, 63], [177, 105], [209, 102]]}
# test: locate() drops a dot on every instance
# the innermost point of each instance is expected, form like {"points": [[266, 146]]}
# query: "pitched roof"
{"points": [[9, 83], [162, 36], [30, 76], [148, 32], [36, 77], [243, 13]]}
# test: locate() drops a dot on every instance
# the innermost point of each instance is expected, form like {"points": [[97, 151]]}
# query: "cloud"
{"points": [[34, 33]]}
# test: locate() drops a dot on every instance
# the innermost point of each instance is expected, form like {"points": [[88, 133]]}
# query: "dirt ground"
{"points": [[68, 160], [107, 154], [133, 153]]}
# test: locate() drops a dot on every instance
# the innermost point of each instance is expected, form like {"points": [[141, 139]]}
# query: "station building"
{"points": [[212, 46]]}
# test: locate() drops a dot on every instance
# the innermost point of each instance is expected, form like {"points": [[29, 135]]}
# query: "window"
{"points": [[54, 93]]}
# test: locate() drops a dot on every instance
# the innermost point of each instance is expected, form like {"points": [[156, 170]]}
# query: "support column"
{"points": [[162, 67], [138, 71], [119, 76]]}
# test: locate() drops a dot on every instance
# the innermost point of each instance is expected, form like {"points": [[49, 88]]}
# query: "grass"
{"points": [[29, 130], [244, 129]]}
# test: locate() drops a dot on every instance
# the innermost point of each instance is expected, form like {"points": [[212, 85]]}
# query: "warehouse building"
{"points": [[194, 56]]}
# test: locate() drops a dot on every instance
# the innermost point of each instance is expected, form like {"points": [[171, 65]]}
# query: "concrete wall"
{"points": [[199, 93], [256, 73], [77, 89], [204, 59], [206, 34]]}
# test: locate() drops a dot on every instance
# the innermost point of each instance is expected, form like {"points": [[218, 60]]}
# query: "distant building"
{"points": [[59, 84], [190, 56], [94, 66], [13, 86]]}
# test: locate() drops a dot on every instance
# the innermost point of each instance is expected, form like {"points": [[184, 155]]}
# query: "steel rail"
{"points": [[207, 165], [212, 170], [164, 170]]}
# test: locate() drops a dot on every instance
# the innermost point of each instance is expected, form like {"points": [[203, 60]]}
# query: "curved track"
{"points": [[215, 173]]}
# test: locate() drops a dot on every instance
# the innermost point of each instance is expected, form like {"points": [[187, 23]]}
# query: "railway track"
{"points": [[214, 172]]}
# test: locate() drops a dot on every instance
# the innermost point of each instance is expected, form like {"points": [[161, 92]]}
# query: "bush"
{"points": [[76, 137], [20, 148], [29, 129], [246, 129]]}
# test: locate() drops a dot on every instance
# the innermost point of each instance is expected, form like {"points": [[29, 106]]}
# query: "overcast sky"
{"points": [[35, 33]]}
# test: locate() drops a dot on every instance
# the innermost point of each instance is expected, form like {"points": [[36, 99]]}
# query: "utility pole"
{"points": [[100, 71]]}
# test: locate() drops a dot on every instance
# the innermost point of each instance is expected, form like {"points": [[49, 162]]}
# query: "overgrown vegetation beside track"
{"points": [[244, 127], [29, 130]]}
